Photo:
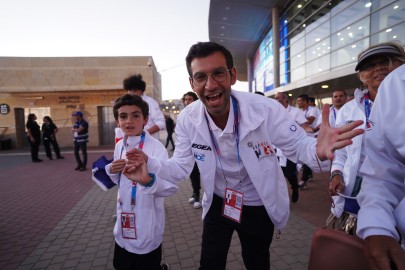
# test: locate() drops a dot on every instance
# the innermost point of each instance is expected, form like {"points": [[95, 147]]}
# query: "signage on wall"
{"points": [[4, 109], [69, 99]]}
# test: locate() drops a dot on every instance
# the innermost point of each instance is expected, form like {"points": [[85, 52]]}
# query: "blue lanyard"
{"points": [[235, 129], [141, 143], [367, 109]]}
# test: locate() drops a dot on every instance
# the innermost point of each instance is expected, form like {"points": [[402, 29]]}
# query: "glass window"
{"points": [[388, 16], [379, 4], [317, 66], [298, 73], [297, 60], [348, 54], [317, 31], [297, 44], [352, 33], [353, 13], [395, 33], [318, 50]]}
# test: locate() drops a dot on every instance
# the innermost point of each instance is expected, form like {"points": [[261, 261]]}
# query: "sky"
{"points": [[163, 29]]}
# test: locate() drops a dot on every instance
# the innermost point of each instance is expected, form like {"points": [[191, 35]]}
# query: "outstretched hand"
{"points": [[330, 139]]}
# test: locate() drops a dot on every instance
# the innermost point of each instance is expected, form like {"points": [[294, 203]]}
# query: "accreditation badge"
{"points": [[128, 225], [233, 203]]}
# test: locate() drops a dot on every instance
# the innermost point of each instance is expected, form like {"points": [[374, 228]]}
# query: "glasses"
{"points": [[370, 65], [219, 75]]}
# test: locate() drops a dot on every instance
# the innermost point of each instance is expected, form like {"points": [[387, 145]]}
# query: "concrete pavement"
{"points": [[53, 217]]}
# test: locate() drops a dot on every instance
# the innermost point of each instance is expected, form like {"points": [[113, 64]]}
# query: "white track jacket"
{"points": [[261, 122]]}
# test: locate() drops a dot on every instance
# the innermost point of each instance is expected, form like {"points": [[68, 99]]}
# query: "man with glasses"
{"points": [[229, 134]]}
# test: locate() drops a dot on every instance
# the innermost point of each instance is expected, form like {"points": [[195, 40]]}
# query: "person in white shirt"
{"points": [[136, 86], [311, 114], [140, 224], [289, 167], [374, 64], [195, 198], [229, 134], [381, 219], [338, 100]]}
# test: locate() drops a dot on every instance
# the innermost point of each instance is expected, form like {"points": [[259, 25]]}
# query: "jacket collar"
{"points": [[249, 119]]}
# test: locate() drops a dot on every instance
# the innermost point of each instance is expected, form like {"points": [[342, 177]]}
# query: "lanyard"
{"points": [[235, 129], [306, 112], [124, 144], [334, 113], [367, 109]]}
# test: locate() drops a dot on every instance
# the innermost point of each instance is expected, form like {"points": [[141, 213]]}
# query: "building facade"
{"points": [[306, 46], [58, 86]]}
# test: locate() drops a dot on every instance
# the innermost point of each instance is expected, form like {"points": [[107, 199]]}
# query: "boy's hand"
{"points": [[117, 165]]}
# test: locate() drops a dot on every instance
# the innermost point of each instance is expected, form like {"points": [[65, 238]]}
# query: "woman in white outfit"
{"points": [[374, 64]]}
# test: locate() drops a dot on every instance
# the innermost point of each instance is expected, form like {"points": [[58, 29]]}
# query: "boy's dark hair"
{"points": [[130, 100], [311, 99], [204, 49], [134, 82], [191, 94], [304, 97]]}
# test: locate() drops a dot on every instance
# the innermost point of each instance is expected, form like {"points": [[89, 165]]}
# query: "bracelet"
{"points": [[334, 173], [151, 181]]}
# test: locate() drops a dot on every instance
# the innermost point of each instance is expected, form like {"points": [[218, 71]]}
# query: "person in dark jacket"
{"points": [[170, 129], [49, 130], [80, 138], [34, 136]]}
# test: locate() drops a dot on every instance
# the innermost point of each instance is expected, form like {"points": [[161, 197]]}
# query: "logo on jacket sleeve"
{"points": [[261, 149], [199, 156], [201, 146]]}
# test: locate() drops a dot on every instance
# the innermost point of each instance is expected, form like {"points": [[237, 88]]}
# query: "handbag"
{"points": [[338, 248]]}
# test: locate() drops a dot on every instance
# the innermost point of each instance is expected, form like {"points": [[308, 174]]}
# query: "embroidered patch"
{"points": [[262, 150]]}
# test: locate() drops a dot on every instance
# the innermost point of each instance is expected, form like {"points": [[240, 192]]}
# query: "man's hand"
{"points": [[384, 251], [330, 139], [137, 171]]}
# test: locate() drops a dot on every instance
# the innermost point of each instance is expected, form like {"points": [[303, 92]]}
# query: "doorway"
{"points": [[106, 125]]}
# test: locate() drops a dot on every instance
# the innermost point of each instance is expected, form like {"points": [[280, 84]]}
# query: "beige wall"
{"points": [[66, 85]]}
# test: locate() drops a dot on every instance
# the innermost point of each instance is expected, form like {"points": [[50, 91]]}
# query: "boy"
{"points": [[140, 221]]}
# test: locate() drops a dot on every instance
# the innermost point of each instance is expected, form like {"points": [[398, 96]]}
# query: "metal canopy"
{"points": [[239, 25]]}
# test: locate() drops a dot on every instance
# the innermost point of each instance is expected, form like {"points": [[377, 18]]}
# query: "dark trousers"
{"points": [[34, 147], [124, 260], [169, 139], [306, 172], [290, 172], [255, 233], [195, 180], [47, 145], [83, 147]]}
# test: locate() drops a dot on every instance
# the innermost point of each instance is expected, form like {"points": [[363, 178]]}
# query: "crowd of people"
{"points": [[241, 147]]}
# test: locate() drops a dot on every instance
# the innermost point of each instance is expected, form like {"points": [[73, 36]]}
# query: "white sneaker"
{"points": [[197, 205], [191, 200]]}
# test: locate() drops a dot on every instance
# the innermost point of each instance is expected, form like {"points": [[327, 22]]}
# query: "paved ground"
{"points": [[53, 217]]}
